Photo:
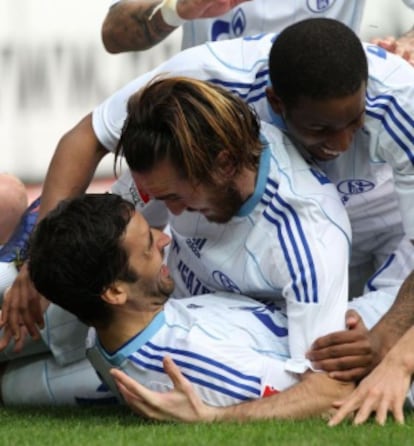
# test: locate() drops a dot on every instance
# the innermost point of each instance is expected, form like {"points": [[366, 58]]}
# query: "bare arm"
{"points": [[313, 396], [132, 25], [76, 157], [398, 319], [127, 26], [73, 165]]}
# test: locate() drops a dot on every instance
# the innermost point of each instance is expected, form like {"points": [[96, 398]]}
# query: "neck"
{"points": [[126, 324]]}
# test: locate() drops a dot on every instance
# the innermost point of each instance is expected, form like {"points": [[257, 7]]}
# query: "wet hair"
{"points": [[318, 59], [76, 253], [189, 123]]}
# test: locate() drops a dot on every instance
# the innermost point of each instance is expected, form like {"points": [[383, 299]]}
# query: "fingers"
{"points": [[177, 378], [355, 374], [345, 409]]}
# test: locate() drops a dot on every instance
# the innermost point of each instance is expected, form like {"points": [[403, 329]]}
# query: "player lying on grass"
{"points": [[97, 258]]}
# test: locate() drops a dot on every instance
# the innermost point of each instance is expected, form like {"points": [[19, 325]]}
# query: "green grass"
{"points": [[115, 426]]}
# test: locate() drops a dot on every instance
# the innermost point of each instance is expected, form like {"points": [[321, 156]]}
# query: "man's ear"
{"points": [[225, 167], [275, 102], [116, 294]]}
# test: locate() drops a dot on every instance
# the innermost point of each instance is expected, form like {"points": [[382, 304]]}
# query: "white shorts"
{"points": [[39, 380]]}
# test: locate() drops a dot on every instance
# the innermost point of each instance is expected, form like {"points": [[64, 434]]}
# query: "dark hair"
{"points": [[188, 122], [76, 253], [317, 58]]}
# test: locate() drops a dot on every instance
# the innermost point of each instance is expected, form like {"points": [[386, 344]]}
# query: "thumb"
{"points": [[351, 319]]}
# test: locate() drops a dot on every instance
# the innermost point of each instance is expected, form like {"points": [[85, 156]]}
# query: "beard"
{"points": [[227, 201]]}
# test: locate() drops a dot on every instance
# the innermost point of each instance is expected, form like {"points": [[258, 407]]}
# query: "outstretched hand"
{"points": [[384, 390], [347, 355], [179, 404]]}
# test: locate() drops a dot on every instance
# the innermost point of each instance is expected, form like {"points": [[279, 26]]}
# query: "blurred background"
{"points": [[54, 70]]}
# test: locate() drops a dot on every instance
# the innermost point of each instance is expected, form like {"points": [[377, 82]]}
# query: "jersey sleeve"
{"points": [[317, 287], [311, 238], [390, 121]]}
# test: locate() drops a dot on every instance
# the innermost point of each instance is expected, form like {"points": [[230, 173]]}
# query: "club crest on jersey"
{"points": [[354, 186], [319, 5], [225, 282], [222, 29]]}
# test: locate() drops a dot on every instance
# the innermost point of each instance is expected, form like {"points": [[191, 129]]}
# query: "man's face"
{"points": [[217, 203], [145, 247], [326, 128]]}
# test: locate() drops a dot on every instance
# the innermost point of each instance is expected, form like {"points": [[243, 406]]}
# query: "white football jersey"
{"points": [[288, 243], [380, 157], [264, 16], [232, 349]]}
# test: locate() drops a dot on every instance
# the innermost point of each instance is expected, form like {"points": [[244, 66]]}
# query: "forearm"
{"points": [[398, 319], [402, 353], [128, 27], [72, 167], [312, 397]]}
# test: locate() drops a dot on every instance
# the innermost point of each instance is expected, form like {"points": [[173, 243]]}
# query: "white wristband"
{"points": [[168, 9]]}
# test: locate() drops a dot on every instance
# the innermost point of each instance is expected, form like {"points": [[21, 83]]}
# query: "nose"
{"points": [[175, 207], [161, 239], [340, 140]]}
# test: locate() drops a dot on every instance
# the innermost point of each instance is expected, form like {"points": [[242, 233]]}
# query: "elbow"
{"points": [[108, 39]]}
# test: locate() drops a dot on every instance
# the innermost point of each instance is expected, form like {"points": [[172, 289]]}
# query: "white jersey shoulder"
{"points": [[231, 349]]}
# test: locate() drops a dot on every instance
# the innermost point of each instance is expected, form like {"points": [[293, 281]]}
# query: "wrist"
{"points": [[168, 11]]}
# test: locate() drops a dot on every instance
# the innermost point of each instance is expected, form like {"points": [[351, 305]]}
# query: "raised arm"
{"points": [[72, 167], [137, 25]]}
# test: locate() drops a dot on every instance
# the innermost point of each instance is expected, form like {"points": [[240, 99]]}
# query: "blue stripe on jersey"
{"points": [[248, 91], [255, 391], [386, 264], [269, 192], [281, 214], [405, 128], [206, 359]]}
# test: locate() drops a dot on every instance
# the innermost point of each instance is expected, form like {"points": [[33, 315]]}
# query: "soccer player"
{"points": [[137, 25], [231, 347]]}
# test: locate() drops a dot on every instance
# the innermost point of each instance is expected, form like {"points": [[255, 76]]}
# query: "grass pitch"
{"points": [[115, 426]]}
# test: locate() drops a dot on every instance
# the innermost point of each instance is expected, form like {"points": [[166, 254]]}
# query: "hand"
{"points": [[22, 307], [383, 390], [180, 404], [403, 46], [6, 338], [201, 9], [346, 355]]}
